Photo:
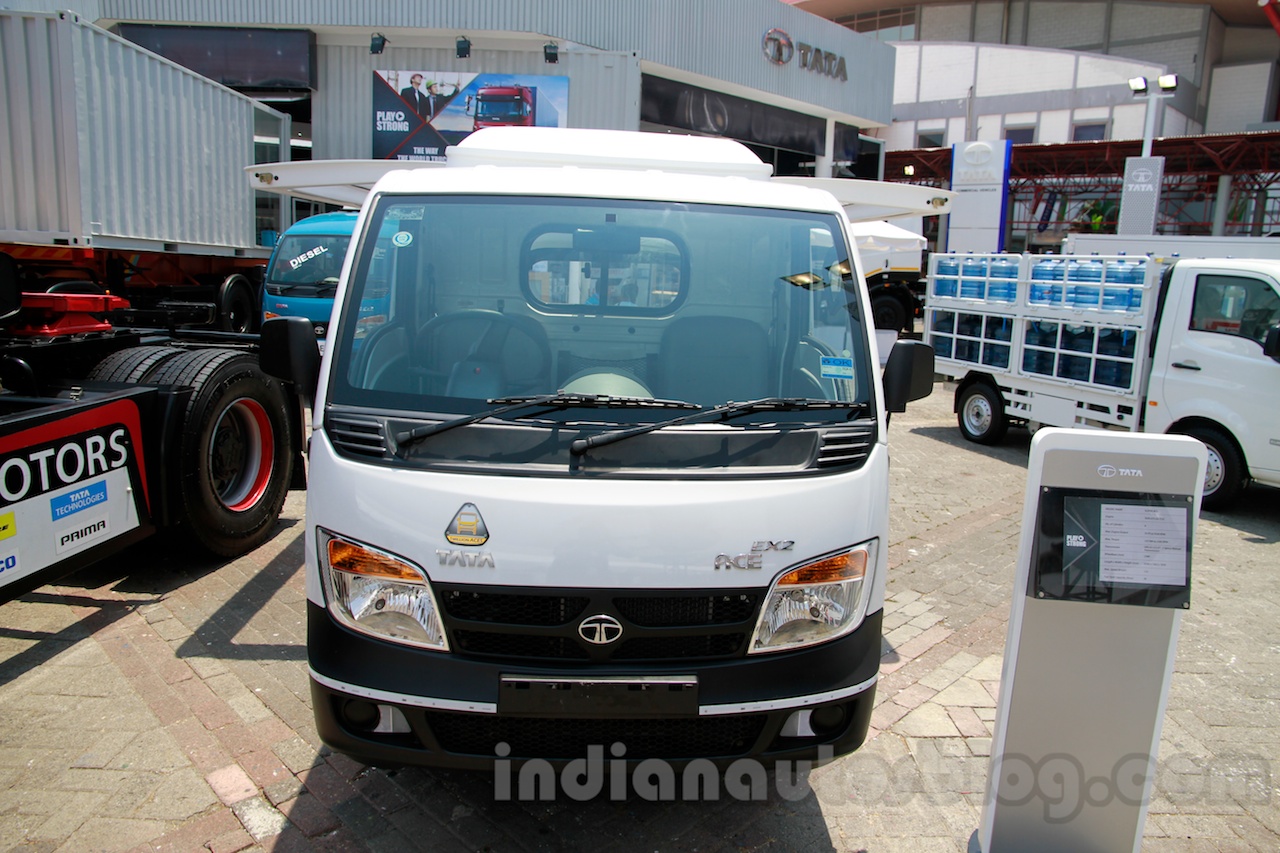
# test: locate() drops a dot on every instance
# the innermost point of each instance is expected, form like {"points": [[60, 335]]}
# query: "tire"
{"points": [[980, 414], [1224, 475], [236, 309], [888, 313], [234, 465], [134, 364]]}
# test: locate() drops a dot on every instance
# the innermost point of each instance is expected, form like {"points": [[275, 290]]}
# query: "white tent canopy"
{"points": [[884, 247]]}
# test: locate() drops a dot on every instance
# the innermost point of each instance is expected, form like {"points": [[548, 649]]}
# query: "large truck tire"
{"points": [[134, 364], [235, 464], [980, 413], [889, 313], [1224, 474], [237, 308]]}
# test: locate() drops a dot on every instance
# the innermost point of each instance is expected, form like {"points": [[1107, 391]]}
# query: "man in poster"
{"points": [[417, 98]]}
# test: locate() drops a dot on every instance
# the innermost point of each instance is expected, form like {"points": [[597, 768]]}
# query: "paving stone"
{"points": [[231, 784], [114, 700], [260, 818]]}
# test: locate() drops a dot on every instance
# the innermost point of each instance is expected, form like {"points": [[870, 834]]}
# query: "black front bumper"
{"points": [[443, 734]]}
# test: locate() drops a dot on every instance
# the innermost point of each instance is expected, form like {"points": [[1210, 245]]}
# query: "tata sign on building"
{"points": [[980, 177], [780, 49], [1140, 198]]}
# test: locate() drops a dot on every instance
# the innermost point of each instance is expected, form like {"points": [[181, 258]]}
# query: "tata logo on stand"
{"points": [[780, 49], [976, 165], [1106, 472]]}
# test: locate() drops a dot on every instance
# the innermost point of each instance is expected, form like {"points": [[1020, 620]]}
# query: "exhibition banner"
{"points": [[417, 114]]}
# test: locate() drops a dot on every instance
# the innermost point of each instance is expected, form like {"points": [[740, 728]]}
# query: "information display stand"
{"points": [[1103, 575]]}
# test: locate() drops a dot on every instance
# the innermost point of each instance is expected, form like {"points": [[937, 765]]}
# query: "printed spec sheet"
{"points": [[1143, 544]]}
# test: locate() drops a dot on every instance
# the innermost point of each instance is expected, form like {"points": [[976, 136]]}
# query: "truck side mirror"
{"points": [[908, 375], [289, 352], [1271, 343]]}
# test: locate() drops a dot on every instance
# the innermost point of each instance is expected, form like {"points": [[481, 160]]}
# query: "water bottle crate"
{"points": [[1107, 285], [1080, 351], [971, 337]]}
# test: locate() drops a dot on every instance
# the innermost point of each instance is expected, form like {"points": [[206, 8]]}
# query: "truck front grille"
{"points": [[543, 624], [550, 738]]}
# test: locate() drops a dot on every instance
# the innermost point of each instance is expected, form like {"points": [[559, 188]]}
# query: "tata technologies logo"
{"points": [[777, 46]]}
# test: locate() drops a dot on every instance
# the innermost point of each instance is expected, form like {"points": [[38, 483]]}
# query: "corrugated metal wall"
{"points": [[604, 88], [38, 193], [109, 143], [712, 39]]}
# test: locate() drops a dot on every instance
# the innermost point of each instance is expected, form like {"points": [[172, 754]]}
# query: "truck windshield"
{"points": [[494, 297], [310, 260], [507, 107]]}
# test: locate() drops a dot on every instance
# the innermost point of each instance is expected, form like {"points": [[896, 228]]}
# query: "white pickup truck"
{"points": [[611, 473], [1116, 342]]}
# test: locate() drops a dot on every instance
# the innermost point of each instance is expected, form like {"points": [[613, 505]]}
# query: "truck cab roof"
{"points": [[337, 222]]}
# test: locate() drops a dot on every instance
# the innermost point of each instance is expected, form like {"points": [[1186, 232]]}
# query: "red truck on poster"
{"points": [[512, 105]]}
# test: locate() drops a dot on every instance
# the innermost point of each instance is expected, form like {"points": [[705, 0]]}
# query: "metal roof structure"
{"points": [[1091, 172]]}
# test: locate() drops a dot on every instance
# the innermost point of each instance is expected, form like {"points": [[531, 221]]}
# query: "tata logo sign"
{"points": [[600, 630], [1106, 472], [978, 154], [780, 49], [977, 164], [1142, 176]]}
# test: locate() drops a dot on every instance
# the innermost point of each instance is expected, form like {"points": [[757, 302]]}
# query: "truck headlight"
{"points": [[378, 594], [814, 603]]}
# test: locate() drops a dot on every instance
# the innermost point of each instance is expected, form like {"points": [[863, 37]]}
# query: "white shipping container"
{"points": [[105, 144]]}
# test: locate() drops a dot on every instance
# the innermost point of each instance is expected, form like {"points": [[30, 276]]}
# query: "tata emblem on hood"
{"points": [[467, 527]]}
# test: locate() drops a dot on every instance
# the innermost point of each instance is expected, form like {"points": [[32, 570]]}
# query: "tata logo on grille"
{"points": [[600, 630], [467, 527]]}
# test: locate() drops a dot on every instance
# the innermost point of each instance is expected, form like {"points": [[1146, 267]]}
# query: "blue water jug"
{"points": [[1137, 277], [1004, 280], [973, 278], [947, 280], [1115, 289], [1046, 282], [1084, 283]]}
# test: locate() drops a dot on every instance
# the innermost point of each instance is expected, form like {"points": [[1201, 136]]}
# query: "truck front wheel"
{"points": [[980, 414], [1224, 474], [235, 463]]}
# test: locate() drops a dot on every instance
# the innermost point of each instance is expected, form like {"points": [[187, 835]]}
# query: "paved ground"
{"points": [[159, 701]]}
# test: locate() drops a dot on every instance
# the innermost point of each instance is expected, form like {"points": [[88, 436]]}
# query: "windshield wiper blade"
{"points": [[510, 405], [722, 412]]}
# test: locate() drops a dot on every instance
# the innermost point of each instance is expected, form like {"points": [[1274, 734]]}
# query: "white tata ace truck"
{"points": [[1116, 342], [613, 472]]}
